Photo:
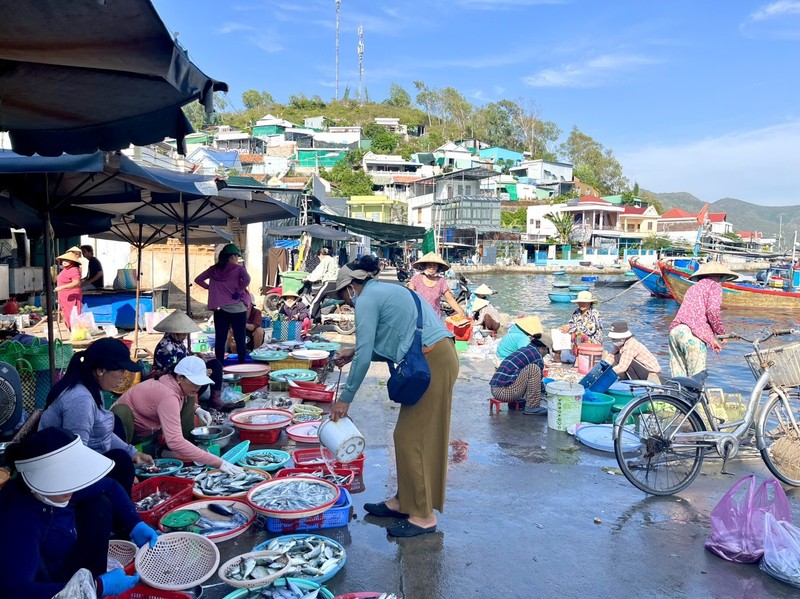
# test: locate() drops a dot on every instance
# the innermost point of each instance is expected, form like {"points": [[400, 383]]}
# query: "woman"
{"points": [[584, 326], [431, 286], [698, 320], [525, 331], [631, 359], [254, 333], [173, 348], [482, 292], [485, 315], [68, 284], [520, 377], [75, 403], [156, 406], [293, 309], [385, 318], [226, 282], [57, 516]]}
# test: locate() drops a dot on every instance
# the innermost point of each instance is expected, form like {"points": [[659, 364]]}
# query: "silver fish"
{"points": [[310, 557], [262, 459], [256, 568], [220, 484], [151, 501]]}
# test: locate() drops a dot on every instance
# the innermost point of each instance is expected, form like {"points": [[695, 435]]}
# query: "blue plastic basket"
{"points": [[237, 452], [305, 585], [169, 466], [285, 457], [320, 579], [338, 515], [600, 378]]}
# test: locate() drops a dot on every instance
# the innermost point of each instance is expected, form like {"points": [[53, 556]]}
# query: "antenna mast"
{"points": [[361, 64], [338, 7]]}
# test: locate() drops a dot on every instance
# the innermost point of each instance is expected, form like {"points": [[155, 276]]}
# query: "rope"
{"points": [[613, 297]]}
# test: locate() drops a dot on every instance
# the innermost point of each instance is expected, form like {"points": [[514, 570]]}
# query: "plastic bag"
{"points": [[781, 550], [737, 521], [80, 586], [82, 325]]}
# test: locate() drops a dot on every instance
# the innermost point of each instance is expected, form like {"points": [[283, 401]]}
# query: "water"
{"points": [[648, 318]]}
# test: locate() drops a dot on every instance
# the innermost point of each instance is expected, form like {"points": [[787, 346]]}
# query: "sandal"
{"points": [[383, 511]]}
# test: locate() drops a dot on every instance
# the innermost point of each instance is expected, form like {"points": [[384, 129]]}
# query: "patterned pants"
{"points": [[528, 386], [687, 353]]}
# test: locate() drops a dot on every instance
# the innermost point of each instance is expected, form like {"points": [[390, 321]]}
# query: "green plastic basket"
{"points": [[292, 280]]}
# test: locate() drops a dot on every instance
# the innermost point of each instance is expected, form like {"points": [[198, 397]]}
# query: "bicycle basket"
{"points": [[785, 369]]}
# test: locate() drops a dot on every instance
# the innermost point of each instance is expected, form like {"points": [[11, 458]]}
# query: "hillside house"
{"points": [[453, 156], [210, 162], [310, 160], [495, 153], [543, 172], [227, 138], [270, 125], [387, 163], [378, 208], [679, 225], [432, 200], [636, 221], [314, 122], [596, 223]]}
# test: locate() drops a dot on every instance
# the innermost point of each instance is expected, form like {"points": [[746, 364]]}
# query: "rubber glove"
{"points": [[203, 416], [231, 469], [117, 582], [142, 534]]}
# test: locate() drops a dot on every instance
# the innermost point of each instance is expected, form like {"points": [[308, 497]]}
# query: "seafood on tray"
{"points": [[153, 500], [217, 483], [294, 495], [309, 557]]}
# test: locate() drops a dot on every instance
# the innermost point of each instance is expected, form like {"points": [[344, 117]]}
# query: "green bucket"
{"points": [[292, 280]]}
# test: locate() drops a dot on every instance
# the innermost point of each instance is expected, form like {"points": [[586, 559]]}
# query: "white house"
{"points": [[210, 161], [453, 155], [543, 172], [443, 188], [596, 223], [679, 225], [388, 163]]}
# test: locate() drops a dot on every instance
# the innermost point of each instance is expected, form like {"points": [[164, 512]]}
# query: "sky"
{"points": [[691, 96]]}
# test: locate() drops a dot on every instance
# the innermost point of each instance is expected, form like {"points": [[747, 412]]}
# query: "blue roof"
{"points": [[226, 159]]}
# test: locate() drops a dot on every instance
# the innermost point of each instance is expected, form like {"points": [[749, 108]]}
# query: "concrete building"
{"points": [[378, 208], [544, 172], [211, 161], [681, 226]]}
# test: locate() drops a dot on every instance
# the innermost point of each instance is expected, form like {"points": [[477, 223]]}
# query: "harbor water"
{"points": [[648, 318]]}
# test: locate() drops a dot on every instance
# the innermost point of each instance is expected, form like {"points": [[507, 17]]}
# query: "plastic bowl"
{"points": [[284, 456], [596, 407]]}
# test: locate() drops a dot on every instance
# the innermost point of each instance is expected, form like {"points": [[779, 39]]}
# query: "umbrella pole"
{"points": [[138, 294], [186, 255], [48, 285]]}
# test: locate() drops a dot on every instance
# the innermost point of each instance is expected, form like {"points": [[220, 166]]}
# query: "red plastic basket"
{"points": [[267, 437], [314, 457], [311, 392], [180, 490], [305, 471], [254, 383], [142, 591]]}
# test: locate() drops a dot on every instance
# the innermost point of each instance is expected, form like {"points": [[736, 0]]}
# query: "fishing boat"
{"points": [[561, 297], [618, 283], [559, 273], [589, 278], [735, 294], [577, 288], [599, 266], [561, 284], [650, 278]]}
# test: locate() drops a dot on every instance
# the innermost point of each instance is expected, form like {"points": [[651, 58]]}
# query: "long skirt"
{"points": [[687, 353], [527, 386], [422, 437]]}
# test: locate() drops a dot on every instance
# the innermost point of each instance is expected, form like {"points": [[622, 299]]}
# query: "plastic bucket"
{"points": [[342, 439], [596, 407], [292, 280], [588, 355], [563, 405]]}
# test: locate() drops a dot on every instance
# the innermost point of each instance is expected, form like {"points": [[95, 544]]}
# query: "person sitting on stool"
{"points": [[519, 377], [631, 359]]}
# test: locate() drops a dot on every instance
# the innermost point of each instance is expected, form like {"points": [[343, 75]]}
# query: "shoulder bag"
{"points": [[411, 377]]}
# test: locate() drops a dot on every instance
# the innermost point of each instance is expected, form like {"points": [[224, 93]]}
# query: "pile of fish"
{"points": [[263, 419], [330, 476], [219, 484], [147, 469], [293, 495], [306, 418], [153, 500], [290, 591], [190, 471], [256, 568], [260, 460], [310, 557], [231, 520]]}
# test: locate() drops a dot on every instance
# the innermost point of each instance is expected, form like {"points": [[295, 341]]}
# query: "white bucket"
{"points": [[342, 439], [564, 402]]}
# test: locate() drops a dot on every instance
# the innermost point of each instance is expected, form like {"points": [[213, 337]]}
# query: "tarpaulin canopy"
{"points": [[84, 75], [384, 232], [314, 230]]}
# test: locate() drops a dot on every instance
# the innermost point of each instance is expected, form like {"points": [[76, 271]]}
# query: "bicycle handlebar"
{"points": [[768, 334]]}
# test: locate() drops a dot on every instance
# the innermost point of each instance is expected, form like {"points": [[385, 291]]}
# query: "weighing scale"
{"points": [[205, 437]]}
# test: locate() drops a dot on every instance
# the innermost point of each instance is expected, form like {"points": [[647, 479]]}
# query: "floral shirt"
{"points": [[586, 326], [432, 295], [701, 311], [168, 353]]}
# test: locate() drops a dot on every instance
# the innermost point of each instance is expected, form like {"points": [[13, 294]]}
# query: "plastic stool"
{"points": [[495, 403]]}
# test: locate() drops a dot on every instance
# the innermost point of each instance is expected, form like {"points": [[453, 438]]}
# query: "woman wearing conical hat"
{"points": [[68, 284], [431, 286]]}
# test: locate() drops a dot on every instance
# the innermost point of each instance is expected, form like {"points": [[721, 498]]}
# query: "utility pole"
{"points": [[338, 7], [361, 64]]}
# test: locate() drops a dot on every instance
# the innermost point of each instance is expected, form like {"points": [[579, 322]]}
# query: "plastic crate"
{"points": [[289, 472], [338, 515], [462, 330], [311, 392], [180, 490], [314, 457], [254, 383], [233, 359], [142, 591], [290, 363], [267, 437], [599, 378]]}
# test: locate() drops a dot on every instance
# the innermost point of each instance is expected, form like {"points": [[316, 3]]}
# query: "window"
{"points": [[419, 216], [537, 224], [460, 190], [650, 226], [375, 216]]}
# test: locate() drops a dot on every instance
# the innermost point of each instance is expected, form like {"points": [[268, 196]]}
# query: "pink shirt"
{"points": [[433, 295], [701, 311], [156, 405]]}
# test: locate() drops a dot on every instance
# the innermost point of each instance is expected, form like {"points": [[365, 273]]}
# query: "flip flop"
{"points": [[407, 529], [383, 511]]}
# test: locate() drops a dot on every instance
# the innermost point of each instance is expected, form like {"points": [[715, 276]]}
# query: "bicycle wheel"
{"points": [[778, 435], [346, 326], [660, 466]]}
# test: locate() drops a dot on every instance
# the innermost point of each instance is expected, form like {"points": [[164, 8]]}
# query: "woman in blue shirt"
{"points": [[385, 318]]}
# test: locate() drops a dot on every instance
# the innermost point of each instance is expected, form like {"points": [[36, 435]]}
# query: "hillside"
{"points": [[743, 215]]}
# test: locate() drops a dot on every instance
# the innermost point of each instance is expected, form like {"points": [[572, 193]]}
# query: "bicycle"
{"points": [[676, 428]]}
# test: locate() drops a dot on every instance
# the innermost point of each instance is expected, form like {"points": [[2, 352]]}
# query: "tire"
{"points": [[775, 430], [657, 467], [272, 302], [346, 327]]}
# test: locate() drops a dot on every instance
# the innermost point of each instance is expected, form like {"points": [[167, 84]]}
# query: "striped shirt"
{"points": [[509, 368], [634, 350]]}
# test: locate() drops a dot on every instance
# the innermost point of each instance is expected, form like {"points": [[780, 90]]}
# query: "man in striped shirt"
{"points": [[632, 360]]}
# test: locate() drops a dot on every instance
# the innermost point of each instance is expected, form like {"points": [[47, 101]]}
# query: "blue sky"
{"points": [[691, 96]]}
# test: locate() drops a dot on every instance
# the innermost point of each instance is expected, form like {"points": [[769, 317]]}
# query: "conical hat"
{"points": [[73, 254], [710, 269], [479, 304], [484, 289], [432, 258], [177, 322], [530, 325]]}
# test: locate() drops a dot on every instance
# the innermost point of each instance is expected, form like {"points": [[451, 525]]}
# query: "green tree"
{"points": [[563, 222], [654, 242], [255, 99], [196, 115], [514, 219], [492, 124], [457, 109], [348, 176], [594, 164], [398, 97], [628, 198], [384, 142]]}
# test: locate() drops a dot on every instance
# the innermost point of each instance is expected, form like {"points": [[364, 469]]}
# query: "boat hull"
{"points": [[734, 295], [562, 298], [651, 279], [617, 284]]}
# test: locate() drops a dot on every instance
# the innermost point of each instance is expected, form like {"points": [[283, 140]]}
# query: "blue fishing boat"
{"points": [[589, 278], [561, 284], [559, 273], [651, 279], [561, 297], [577, 288]]}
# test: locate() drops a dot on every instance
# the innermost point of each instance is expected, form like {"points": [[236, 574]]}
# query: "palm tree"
{"points": [[563, 222]]}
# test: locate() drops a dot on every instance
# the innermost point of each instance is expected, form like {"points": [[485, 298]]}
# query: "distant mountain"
{"points": [[743, 215]]}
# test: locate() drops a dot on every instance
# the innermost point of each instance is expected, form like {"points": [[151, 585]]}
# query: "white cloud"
{"points": [[503, 4], [776, 21], [757, 166], [594, 72], [266, 41], [234, 27]]}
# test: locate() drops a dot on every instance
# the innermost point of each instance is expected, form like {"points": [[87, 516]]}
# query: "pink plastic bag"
{"points": [[737, 521]]}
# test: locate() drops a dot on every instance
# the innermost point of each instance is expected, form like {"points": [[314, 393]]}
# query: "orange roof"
{"points": [[677, 213], [594, 199], [251, 158], [295, 179], [633, 210], [405, 178], [750, 234]]}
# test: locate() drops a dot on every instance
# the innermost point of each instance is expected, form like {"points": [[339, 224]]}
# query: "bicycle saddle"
{"points": [[687, 383]]}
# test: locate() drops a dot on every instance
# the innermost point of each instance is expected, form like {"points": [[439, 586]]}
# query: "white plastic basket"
{"points": [[785, 364], [178, 561], [124, 552]]}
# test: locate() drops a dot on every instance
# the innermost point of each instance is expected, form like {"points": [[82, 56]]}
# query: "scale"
{"points": [[205, 437]]}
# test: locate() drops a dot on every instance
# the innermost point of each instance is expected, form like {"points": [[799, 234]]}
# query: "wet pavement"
{"points": [[530, 513]]}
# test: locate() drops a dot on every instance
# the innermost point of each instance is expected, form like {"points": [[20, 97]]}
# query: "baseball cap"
{"points": [[112, 354], [194, 369], [231, 248]]}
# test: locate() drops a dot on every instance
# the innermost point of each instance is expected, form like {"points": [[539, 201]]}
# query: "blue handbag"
{"points": [[411, 377]]}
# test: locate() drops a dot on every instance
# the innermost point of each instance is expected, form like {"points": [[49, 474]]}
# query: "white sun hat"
{"points": [[194, 369]]}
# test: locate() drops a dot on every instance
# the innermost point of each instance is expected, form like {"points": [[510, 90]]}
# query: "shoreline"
{"points": [[581, 270]]}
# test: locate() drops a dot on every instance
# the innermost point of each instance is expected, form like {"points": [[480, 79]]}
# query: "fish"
{"points": [[222, 510], [336, 479], [151, 501], [221, 485], [293, 495], [256, 568], [311, 557], [262, 459], [190, 471]]}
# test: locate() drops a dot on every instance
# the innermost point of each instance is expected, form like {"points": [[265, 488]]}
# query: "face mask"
{"points": [[48, 501], [353, 297], [290, 302], [619, 342]]}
